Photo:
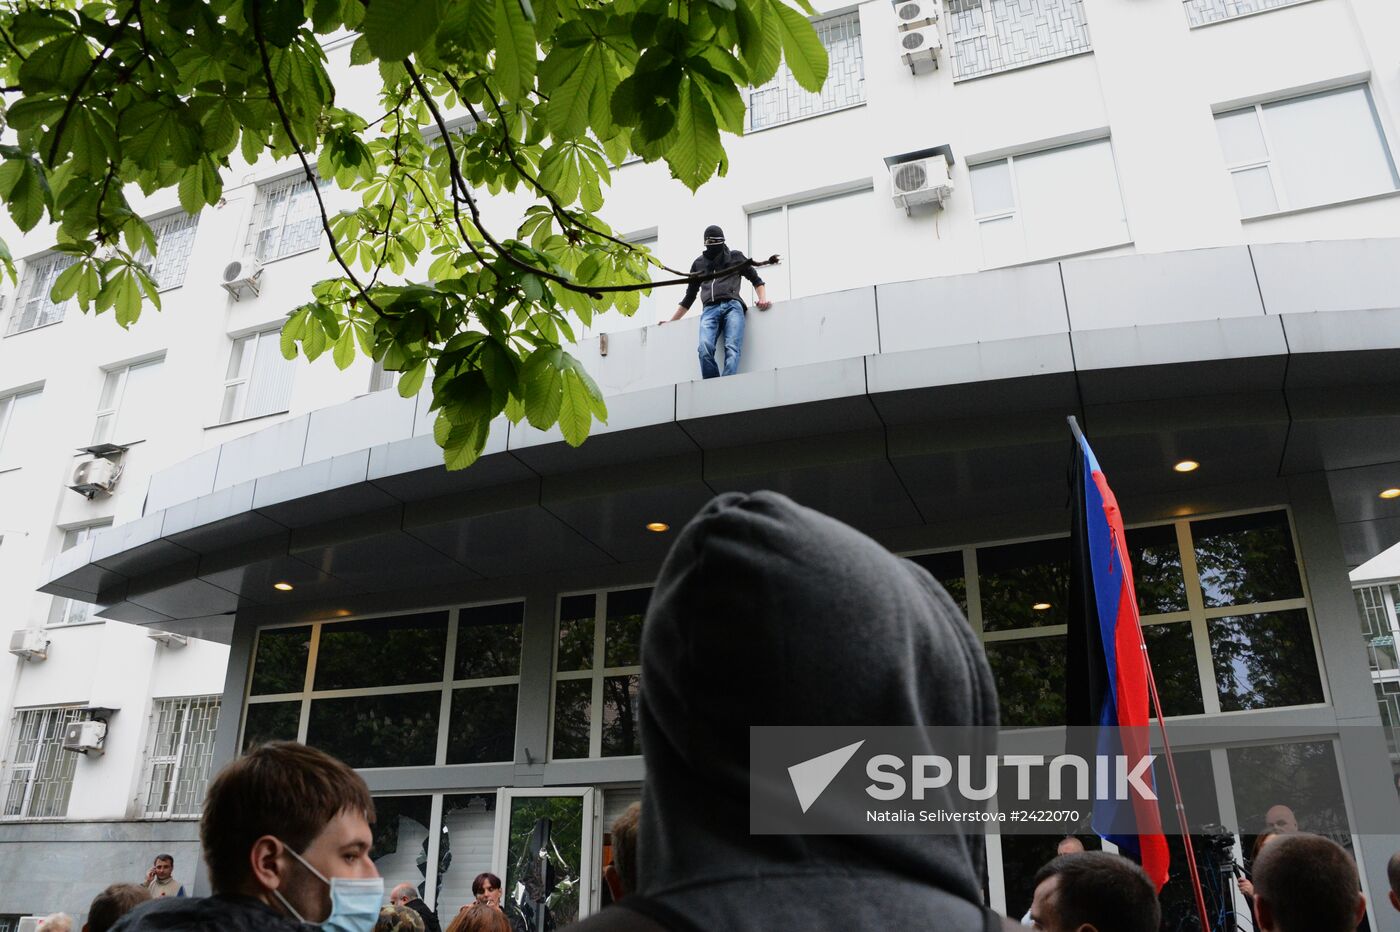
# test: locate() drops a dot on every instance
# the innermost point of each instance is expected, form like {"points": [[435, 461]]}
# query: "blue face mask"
{"points": [[354, 902]]}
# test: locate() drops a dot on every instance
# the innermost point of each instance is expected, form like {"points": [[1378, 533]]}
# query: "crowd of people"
{"points": [[770, 592]]}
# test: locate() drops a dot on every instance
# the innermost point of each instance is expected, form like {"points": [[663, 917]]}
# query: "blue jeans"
{"points": [[727, 319]]}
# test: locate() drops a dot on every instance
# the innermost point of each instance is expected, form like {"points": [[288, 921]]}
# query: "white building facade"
{"points": [[1179, 221]]}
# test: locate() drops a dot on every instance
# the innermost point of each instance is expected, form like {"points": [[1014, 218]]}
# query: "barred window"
{"points": [[1202, 12], [781, 100], [181, 747], [33, 307], [998, 35], [174, 235], [39, 778], [288, 218]]}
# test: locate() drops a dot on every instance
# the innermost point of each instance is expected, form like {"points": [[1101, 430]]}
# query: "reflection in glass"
{"points": [[1172, 652], [482, 726], [947, 568], [1302, 776], [1030, 680], [620, 729], [545, 849], [1022, 856], [398, 730], [576, 614], [465, 848], [279, 666], [1157, 576], [1376, 631], [573, 706], [400, 829], [488, 641], [623, 632], [1246, 559], [1016, 578], [391, 651], [1264, 661], [1197, 777], [270, 721]]}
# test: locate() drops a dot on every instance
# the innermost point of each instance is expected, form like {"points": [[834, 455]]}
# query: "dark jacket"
{"points": [[719, 289], [784, 603], [430, 919], [207, 914]]}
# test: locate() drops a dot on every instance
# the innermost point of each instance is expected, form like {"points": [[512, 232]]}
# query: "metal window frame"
{"points": [[596, 673], [40, 274], [783, 79], [989, 32], [268, 217], [163, 228], [52, 721], [255, 341], [185, 705]]}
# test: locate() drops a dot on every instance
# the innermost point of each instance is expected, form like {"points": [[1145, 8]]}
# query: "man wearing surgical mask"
{"points": [[286, 837]]}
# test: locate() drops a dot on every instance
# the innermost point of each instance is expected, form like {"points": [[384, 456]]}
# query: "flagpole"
{"points": [[1182, 823]]}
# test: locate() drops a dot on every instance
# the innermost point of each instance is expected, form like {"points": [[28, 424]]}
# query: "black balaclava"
{"points": [[769, 613], [716, 252]]}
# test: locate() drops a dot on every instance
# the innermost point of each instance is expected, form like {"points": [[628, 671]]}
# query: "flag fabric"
{"points": [[1106, 675]]}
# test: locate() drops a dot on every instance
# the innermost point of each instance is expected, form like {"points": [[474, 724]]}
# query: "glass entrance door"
{"points": [[544, 855]]}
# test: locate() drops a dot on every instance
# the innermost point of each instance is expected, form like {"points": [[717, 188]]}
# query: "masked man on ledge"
{"points": [[723, 310]]}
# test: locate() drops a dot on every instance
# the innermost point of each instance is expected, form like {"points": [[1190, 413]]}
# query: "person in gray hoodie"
{"points": [[769, 613]]}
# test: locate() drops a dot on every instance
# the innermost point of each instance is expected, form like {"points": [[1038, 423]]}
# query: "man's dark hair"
{"points": [[113, 903], [164, 857], [281, 788], [482, 879], [1105, 890], [1310, 884], [1392, 872], [624, 846]]}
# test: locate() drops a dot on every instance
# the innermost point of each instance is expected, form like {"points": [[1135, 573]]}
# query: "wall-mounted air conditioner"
{"points": [[919, 47], [95, 475], [241, 275], [168, 639], [30, 644], [916, 13], [85, 737], [920, 181]]}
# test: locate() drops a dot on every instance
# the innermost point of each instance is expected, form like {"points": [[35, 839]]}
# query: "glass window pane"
{"points": [[232, 407], [573, 710], [270, 384], [465, 847], [382, 651], [820, 259], [1024, 585], [621, 734], [488, 641], [1156, 563], [279, 665], [1021, 857], [1002, 240], [400, 831], [1264, 661], [991, 188], [398, 730], [768, 236], [1172, 650], [576, 614], [270, 721], [947, 568], [1255, 189], [1246, 559], [622, 644], [237, 358], [110, 384], [1241, 138], [553, 824], [1030, 680], [1197, 776], [141, 402], [1301, 776], [1328, 147], [1068, 200], [482, 726]]}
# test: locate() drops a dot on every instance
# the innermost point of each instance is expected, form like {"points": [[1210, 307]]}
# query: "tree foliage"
{"points": [[476, 97]]}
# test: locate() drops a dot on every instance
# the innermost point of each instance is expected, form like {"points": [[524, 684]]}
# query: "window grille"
{"points": [[988, 36], [33, 307], [181, 747], [259, 378], [1202, 12], [781, 100], [39, 778], [174, 237], [288, 219]]}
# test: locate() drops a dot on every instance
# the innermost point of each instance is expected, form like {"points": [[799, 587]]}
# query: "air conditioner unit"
{"points": [[916, 13], [920, 45], [168, 639], [95, 475], [920, 181], [30, 643], [243, 274], [85, 737]]}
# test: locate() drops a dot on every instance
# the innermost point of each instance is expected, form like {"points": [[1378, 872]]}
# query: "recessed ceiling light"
{"points": [[1041, 606], [658, 527], [1187, 466], [283, 586], [1390, 493]]}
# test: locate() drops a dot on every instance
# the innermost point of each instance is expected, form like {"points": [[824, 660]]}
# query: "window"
{"points": [[288, 218], [1201, 12], [381, 379], [33, 307], [781, 100], [129, 398], [649, 307], [814, 240], [70, 611], [177, 759], [1056, 202], [259, 378], [174, 236], [1307, 151], [598, 674], [39, 778], [998, 35], [18, 419]]}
